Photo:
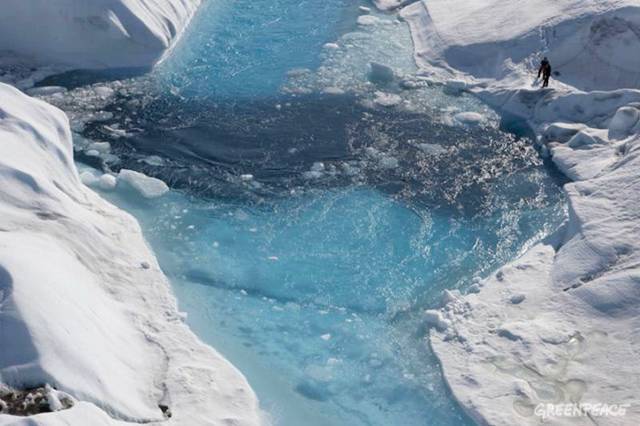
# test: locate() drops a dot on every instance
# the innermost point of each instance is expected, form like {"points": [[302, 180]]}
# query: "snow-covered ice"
{"points": [[93, 34], [559, 325], [146, 186], [78, 311]]}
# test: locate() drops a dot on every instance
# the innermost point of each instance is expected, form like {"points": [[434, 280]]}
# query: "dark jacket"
{"points": [[545, 69]]}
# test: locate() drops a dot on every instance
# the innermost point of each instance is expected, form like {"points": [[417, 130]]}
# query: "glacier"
{"points": [[539, 331]]}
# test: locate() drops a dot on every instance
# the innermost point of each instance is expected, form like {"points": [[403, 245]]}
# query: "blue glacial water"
{"points": [[239, 49], [311, 275]]}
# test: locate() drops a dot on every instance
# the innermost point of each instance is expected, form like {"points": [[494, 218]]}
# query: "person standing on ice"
{"points": [[545, 72]]}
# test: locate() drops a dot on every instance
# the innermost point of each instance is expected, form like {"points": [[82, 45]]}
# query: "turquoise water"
{"points": [[243, 48], [317, 298], [312, 274]]}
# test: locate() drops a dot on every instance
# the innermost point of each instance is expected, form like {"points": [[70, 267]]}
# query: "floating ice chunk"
{"points": [[368, 20], [153, 160], [364, 9], [450, 296], [331, 46], [623, 122], [387, 99], [411, 83], [435, 319], [246, 177], [146, 186], [469, 118], [104, 91], [107, 182], [92, 153], [46, 90], [101, 116], [115, 132], [110, 158], [88, 178], [101, 147], [371, 151], [474, 288], [318, 167], [388, 162], [312, 175], [432, 148], [349, 170], [326, 337], [380, 73]]}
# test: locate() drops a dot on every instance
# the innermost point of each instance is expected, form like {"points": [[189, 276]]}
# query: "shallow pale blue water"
{"points": [[312, 278]]}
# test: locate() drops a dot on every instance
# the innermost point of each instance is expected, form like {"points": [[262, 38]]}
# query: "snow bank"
{"points": [[93, 33], [557, 328], [587, 41], [84, 306]]}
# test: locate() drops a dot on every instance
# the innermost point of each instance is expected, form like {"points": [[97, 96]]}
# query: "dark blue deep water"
{"points": [[309, 227]]}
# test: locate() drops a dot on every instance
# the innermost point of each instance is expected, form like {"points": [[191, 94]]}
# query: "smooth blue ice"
{"points": [[312, 278]]}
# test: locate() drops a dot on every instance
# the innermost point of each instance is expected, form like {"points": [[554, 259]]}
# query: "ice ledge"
{"points": [[93, 33], [84, 305], [559, 325]]}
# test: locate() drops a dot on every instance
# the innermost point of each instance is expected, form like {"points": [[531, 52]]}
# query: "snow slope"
{"points": [[84, 305], [559, 325], [587, 41], [93, 33]]}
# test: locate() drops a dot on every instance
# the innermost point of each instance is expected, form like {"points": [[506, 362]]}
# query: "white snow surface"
{"points": [[84, 306], [560, 324], [93, 33], [587, 41]]}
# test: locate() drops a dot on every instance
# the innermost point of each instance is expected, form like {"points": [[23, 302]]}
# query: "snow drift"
{"points": [[93, 33], [84, 306]]}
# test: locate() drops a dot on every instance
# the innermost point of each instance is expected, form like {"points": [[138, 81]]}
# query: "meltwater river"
{"points": [[316, 211]]}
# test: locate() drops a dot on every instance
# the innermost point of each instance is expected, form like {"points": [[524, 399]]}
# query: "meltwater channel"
{"points": [[316, 209]]}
